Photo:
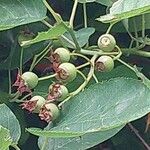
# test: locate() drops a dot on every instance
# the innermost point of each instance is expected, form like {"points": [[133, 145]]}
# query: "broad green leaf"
{"points": [[52, 33], [101, 27], [18, 12], [9, 121], [82, 37], [78, 143], [105, 2], [6, 140], [102, 106], [123, 9]]}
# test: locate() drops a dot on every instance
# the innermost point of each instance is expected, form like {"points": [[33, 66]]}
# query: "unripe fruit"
{"points": [[53, 109], [61, 55], [34, 104], [40, 102], [49, 112], [58, 92], [104, 64], [67, 72], [106, 42], [31, 79]]}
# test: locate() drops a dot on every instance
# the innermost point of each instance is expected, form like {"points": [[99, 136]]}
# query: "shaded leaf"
{"points": [[123, 9], [80, 143], [19, 12], [9, 121]]}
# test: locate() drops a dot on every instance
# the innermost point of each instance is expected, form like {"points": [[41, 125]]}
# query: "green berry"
{"points": [[40, 102], [53, 110], [31, 79], [67, 72], [106, 42], [58, 91], [104, 64], [61, 55]]}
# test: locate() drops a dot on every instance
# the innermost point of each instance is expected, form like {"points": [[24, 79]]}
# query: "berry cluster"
{"points": [[64, 72]]}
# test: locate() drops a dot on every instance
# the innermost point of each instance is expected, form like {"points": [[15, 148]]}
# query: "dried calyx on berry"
{"points": [[25, 82], [106, 42], [66, 72], [30, 79], [104, 64], [60, 55], [49, 112], [57, 92], [34, 104]]}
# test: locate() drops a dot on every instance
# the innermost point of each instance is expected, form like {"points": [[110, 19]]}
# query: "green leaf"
{"points": [[82, 37], [105, 2], [9, 121], [126, 9], [84, 142], [52, 33], [18, 12], [103, 106], [6, 140]]}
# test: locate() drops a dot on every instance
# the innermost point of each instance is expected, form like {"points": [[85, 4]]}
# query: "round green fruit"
{"points": [[67, 72], [106, 42], [59, 91], [40, 102], [53, 110], [31, 79], [104, 64], [61, 55]]}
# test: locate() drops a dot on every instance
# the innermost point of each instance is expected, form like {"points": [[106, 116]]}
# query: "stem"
{"points": [[15, 147], [70, 30], [84, 77], [80, 55], [83, 85], [88, 52], [109, 28], [21, 60], [139, 137], [73, 13], [119, 54], [41, 57], [35, 61], [9, 79], [62, 36], [95, 78], [46, 23], [83, 65], [143, 26], [85, 15], [124, 63], [55, 15], [47, 77], [85, 19], [136, 52], [135, 31]]}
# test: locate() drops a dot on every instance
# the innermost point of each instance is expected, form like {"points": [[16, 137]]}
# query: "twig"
{"points": [[139, 137]]}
